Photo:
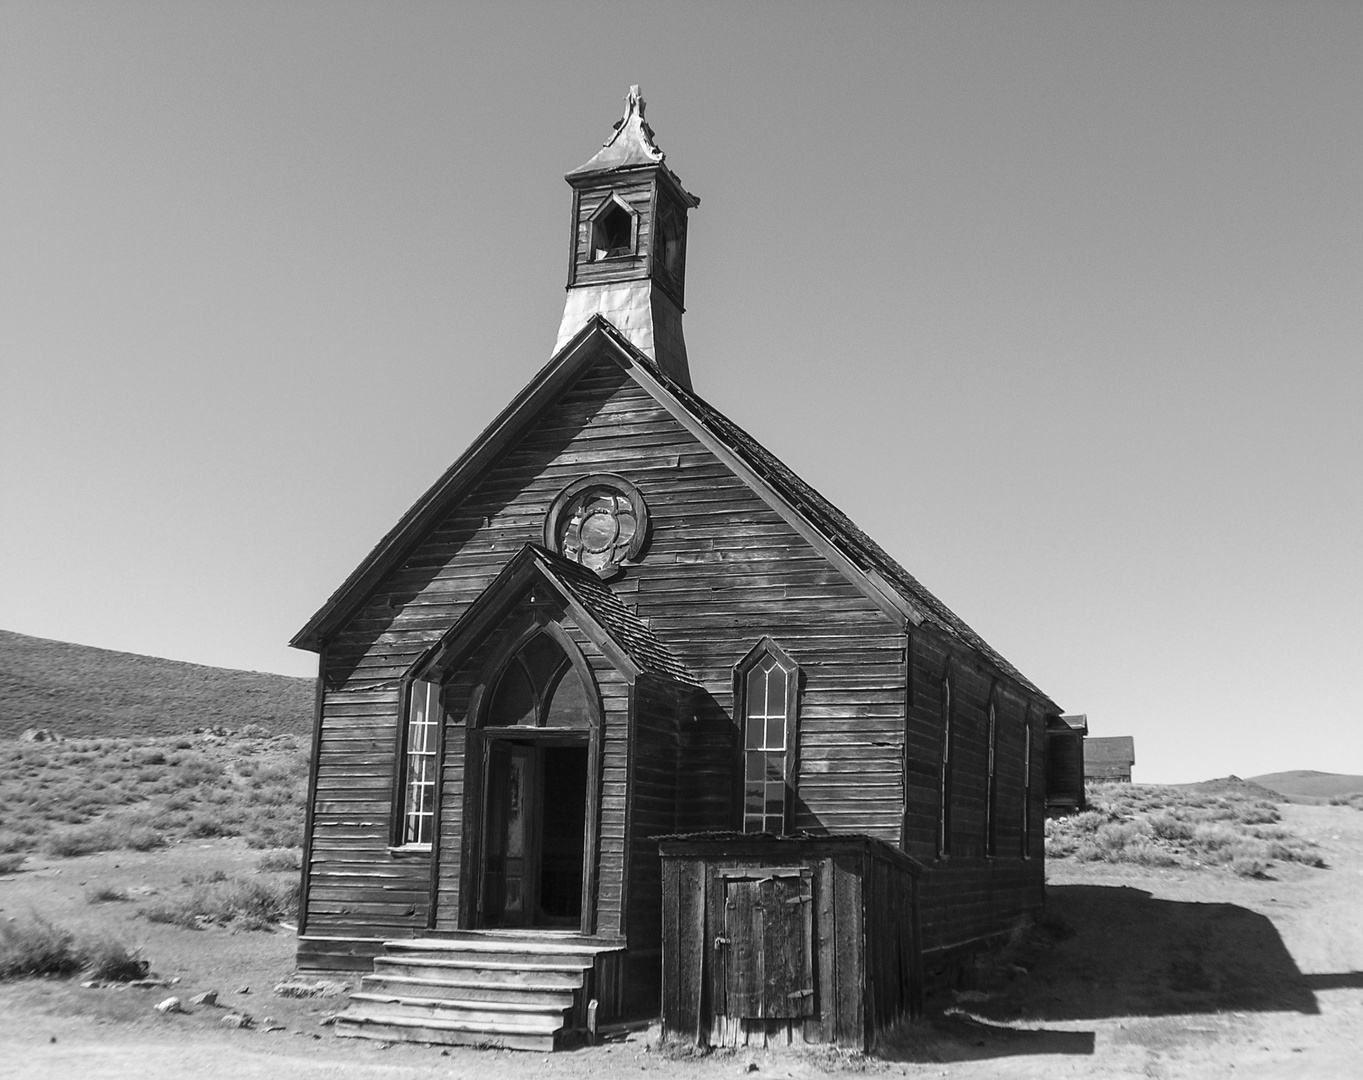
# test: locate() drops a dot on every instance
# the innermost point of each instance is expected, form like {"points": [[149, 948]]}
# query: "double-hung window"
{"points": [[766, 693], [416, 810]]}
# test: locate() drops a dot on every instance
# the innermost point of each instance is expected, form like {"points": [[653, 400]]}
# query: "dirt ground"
{"points": [[1160, 974]]}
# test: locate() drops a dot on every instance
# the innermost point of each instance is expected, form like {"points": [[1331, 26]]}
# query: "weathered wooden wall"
{"points": [[867, 969], [721, 570], [654, 764]]}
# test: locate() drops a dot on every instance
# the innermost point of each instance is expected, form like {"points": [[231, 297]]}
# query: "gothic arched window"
{"points": [[539, 688], [948, 748], [766, 699]]}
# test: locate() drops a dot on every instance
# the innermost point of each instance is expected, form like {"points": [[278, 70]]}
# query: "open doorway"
{"points": [[535, 844]]}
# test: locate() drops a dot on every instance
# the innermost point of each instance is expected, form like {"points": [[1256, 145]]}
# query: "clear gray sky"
{"points": [[1063, 302]]}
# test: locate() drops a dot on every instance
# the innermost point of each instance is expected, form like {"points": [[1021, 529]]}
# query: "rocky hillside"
{"points": [[82, 692]]}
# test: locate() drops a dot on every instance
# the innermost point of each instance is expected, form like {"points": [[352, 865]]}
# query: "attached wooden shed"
{"points": [[1065, 737], [788, 940]]}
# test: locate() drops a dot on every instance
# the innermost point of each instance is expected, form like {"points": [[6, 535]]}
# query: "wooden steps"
{"points": [[524, 992]]}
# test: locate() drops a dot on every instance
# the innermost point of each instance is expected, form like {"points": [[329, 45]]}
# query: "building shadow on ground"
{"points": [[1106, 951], [1103, 952]]}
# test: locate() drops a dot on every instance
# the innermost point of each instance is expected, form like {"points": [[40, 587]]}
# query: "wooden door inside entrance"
{"points": [[536, 841]]}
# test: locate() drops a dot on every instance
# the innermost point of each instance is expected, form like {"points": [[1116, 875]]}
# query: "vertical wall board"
{"points": [[826, 951], [850, 944]]}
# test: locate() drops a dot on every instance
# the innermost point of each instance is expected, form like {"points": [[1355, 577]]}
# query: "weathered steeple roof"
{"points": [[630, 145]]}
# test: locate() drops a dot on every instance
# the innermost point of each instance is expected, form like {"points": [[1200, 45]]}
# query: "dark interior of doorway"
{"points": [[563, 832]]}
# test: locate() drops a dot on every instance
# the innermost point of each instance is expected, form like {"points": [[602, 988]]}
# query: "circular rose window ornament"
{"points": [[599, 521]]}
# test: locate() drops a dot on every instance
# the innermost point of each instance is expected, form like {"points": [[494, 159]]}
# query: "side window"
{"points": [[948, 748], [1026, 788], [766, 693], [991, 785], [415, 814]]}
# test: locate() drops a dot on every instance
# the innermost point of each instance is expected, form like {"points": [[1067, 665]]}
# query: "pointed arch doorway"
{"points": [[538, 731]]}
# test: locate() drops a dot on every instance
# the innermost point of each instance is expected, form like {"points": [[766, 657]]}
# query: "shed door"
{"points": [[768, 971]]}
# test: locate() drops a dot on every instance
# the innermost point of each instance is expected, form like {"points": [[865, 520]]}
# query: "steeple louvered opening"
{"points": [[611, 232]]}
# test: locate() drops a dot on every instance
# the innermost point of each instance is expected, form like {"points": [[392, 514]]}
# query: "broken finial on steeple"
{"points": [[630, 143]]}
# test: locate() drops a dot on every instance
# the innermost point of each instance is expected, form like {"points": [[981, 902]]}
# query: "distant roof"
{"points": [[1109, 750], [630, 145]]}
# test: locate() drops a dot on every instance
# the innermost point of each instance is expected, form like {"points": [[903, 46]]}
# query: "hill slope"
{"points": [[1310, 784], [80, 691]]}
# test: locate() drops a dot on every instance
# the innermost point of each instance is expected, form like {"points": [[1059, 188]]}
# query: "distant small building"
{"points": [[1065, 762], [1109, 759]]}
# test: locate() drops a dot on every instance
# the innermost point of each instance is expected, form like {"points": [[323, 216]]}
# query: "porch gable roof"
{"points": [[623, 637]]}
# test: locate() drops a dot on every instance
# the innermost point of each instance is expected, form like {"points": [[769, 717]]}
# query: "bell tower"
{"points": [[627, 262]]}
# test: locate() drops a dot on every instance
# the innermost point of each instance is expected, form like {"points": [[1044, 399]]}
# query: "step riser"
{"points": [[453, 970], [579, 961], [562, 998], [544, 1023], [475, 991], [437, 1037]]}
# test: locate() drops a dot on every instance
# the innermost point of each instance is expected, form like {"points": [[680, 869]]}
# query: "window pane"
{"points": [[755, 695], [776, 692], [755, 730], [756, 768], [776, 732], [514, 702], [569, 706], [543, 656]]}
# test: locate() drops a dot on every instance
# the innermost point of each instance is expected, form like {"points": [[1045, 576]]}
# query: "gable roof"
{"points": [[827, 528], [1109, 750], [625, 638]]}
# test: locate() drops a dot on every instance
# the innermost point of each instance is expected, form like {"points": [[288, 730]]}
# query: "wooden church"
{"points": [[623, 719]]}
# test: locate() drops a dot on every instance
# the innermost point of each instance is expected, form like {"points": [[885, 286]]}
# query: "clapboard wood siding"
{"points": [[653, 774], [721, 569], [636, 192]]}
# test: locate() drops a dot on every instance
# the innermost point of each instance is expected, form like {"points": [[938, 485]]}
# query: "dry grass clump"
{"points": [[1355, 800], [81, 796], [238, 903], [105, 894], [281, 861], [1166, 826], [34, 946]]}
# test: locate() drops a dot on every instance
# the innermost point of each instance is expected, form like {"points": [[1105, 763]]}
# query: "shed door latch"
{"points": [[720, 942]]}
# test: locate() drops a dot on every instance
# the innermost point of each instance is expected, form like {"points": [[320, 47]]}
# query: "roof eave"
{"points": [[560, 369]]}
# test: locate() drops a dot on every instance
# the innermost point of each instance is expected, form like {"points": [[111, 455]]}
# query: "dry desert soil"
{"points": [[1160, 973]]}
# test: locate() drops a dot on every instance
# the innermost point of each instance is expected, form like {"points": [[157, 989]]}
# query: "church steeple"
{"points": [[628, 255]]}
